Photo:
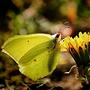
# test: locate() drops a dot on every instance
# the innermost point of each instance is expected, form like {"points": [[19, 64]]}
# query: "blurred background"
{"points": [[17, 17]]}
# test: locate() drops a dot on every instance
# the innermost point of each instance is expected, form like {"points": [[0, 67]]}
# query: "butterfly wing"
{"points": [[41, 62], [35, 54], [18, 45]]}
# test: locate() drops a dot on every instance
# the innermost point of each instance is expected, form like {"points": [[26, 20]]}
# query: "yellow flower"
{"points": [[78, 47]]}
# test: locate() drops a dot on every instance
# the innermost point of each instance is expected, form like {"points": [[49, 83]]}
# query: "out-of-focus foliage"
{"points": [[24, 16]]}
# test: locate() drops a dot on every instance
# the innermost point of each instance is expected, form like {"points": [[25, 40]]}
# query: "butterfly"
{"points": [[37, 55]]}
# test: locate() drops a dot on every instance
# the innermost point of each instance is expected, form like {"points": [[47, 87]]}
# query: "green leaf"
{"points": [[36, 55]]}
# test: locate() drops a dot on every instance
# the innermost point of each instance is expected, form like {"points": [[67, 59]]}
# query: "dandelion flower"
{"points": [[79, 48]]}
